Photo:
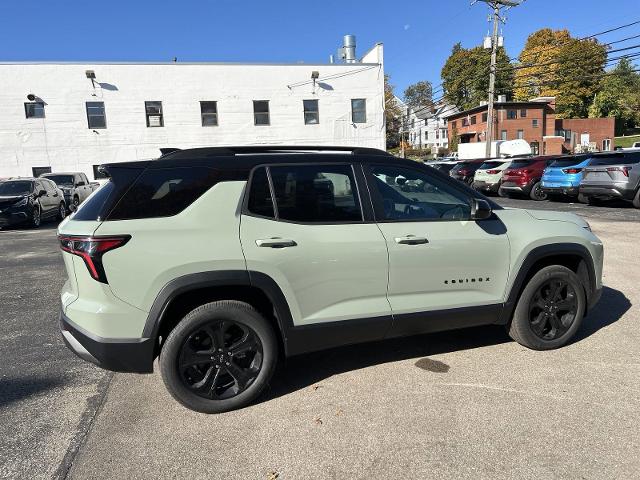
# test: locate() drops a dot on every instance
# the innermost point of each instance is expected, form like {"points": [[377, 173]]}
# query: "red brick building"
{"points": [[534, 121]]}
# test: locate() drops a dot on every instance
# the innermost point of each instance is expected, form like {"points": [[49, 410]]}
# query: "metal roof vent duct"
{"points": [[348, 50]]}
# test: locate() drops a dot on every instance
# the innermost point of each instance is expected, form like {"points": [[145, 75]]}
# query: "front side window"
{"points": [[153, 111], [96, 117], [406, 194], [34, 110], [311, 113], [261, 112], [164, 192], [316, 193], [359, 110], [260, 201], [209, 114]]}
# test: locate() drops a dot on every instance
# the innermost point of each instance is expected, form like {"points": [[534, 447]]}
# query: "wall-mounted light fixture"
{"points": [[91, 75]]}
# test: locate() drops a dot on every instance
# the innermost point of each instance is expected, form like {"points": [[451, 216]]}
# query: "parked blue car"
{"points": [[563, 176]]}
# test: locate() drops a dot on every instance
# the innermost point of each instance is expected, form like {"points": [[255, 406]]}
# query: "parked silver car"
{"points": [[612, 175]]}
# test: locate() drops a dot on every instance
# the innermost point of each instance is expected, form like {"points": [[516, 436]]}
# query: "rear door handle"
{"points": [[411, 240], [275, 242]]}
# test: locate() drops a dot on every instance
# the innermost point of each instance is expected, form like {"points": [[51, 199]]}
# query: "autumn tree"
{"points": [[553, 63], [392, 114], [465, 76], [619, 97], [419, 96]]}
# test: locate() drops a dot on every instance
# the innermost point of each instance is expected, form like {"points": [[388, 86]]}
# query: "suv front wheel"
{"points": [[550, 309], [219, 357]]}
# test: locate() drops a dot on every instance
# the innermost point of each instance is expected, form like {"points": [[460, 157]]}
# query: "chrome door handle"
{"points": [[275, 242], [411, 240]]}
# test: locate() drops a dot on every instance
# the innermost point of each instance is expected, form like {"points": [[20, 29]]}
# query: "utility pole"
{"points": [[496, 5]]}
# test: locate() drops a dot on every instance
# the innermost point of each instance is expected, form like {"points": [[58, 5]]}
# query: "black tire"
{"points": [[544, 323], [206, 327], [36, 216], [636, 199], [502, 193], [62, 211], [582, 198], [76, 202], [594, 202], [536, 193]]}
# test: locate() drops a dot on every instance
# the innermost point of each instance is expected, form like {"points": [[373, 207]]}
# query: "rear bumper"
{"points": [[570, 190], [608, 191], [516, 187], [486, 186], [133, 355]]}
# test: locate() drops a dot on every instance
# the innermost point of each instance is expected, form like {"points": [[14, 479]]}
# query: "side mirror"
{"points": [[480, 209], [80, 184], [42, 193]]}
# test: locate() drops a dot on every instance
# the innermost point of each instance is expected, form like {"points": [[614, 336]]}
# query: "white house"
{"points": [[76, 116]]}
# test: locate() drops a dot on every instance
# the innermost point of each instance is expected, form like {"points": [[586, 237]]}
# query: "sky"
{"points": [[417, 34]]}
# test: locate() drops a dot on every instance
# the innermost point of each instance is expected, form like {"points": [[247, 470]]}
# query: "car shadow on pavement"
{"points": [[306, 370], [16, 389]]}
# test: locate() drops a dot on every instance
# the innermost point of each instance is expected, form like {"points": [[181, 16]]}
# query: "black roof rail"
{"points": [[257, 149]]}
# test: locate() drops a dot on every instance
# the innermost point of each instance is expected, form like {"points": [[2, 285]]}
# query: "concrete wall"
{"points": [[63, 140]]}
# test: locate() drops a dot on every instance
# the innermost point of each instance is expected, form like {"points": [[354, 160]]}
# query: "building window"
{"points": [[261, 112], [97, 174], [512, 114], [311, 112], [567, 135], [34, 110], [465, 122], [535, 123], [503, 135], [154, 114], [606, 145], [359, 110], [37, 171], [437, 134], [426, 135], [96, 117], [485, 116], [535, 148], [454, 124], [473, 120], [523, 113], [209, 114], [444, 134], [520, 134]]}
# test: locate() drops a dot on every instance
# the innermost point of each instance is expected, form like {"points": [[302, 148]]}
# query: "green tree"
{"points": [[419, 95], [552, 63], [465, 76], [619, 97], [392, 114], [454, 140]]}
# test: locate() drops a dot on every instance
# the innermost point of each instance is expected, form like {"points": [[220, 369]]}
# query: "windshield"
{"points": [[61, 179], [15, 188], [488, 165]]}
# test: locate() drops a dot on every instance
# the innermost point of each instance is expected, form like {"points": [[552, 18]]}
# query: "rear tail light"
{"points": [[571, 170], [493, 172], [91, 250], [624, 170]]}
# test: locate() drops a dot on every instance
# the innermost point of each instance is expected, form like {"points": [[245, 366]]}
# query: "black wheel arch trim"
{"points": [[540, 253]]}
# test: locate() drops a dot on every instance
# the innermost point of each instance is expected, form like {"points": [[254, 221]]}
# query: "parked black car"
{"points": [[74, 185], [30, 201], [465, 170]]}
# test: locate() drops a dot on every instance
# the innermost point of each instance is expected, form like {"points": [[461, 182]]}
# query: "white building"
{"points": [[74, 117], [426, 128]]}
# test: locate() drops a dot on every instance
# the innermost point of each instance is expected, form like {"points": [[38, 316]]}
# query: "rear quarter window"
{"points": [[164, 192]]}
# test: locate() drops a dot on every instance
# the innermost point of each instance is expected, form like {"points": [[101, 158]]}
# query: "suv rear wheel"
{"points": [[536, 192], [550, 309], [219, 357], [36, 216]]}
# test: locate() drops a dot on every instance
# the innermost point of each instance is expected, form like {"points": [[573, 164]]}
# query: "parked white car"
{"points": [[489, 176]]}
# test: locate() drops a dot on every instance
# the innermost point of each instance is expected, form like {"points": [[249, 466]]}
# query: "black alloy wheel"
{"points": [[537, 194], [220, 360], [76, 202], [553, 309], [62, 211]]}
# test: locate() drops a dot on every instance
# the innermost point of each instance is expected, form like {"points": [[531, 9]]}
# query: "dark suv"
{"points": [[29, 201]]}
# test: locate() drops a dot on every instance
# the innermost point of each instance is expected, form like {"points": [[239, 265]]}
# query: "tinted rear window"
{"points": [[164, 192], [520, 163], [488, 165], [566, 162], [625, 159]]}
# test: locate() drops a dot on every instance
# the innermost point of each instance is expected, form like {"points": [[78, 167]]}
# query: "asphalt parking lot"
{"points": [[463, 404]]}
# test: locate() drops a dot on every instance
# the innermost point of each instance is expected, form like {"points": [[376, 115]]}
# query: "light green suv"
{"points": [[221, 260]]}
